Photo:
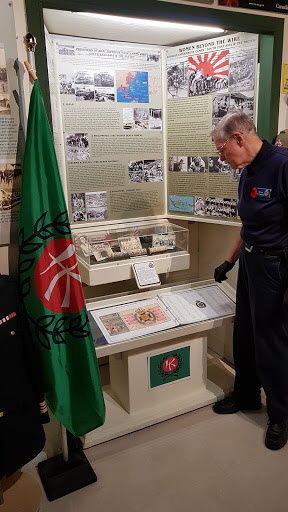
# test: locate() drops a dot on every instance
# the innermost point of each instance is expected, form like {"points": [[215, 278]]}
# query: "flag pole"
{"points": [[64, 473]]}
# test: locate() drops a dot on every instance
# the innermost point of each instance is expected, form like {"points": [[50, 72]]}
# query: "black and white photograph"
{"points": [[215, 121], [197, 164], [128, 119], [177, 163], [66, 49], [78, 207], [199, 208], [84, 92], [96, 205], [104, 79], [10, 186], [84, 77], [242, 101], [153, 171], [220, 105], [242, 70], [217, 165], [135, 168], [141, 118], [236, 175], [154, 57], [177, 80], [66, 84], [208, 73], [221, 207], [5, 108], [77, 146], [155, 119], [104, 94], [3, 73]]}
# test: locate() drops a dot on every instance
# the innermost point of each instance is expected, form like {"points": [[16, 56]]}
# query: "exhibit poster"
{"points": [[11, 130], [205, 81], [116, 129], [168, 367], [111, 106]]}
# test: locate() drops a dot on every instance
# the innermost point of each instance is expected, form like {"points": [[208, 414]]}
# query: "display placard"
{"points": [[146, 274], [169, 367]]}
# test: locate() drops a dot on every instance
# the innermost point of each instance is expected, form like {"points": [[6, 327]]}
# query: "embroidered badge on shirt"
{"points": [[7, 318], [261, 192]]}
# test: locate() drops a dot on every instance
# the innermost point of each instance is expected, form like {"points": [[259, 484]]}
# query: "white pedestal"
{"points": [[131, 403]]}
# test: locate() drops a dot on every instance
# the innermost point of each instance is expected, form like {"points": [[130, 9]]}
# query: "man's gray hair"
{"points": [[235, 121]]}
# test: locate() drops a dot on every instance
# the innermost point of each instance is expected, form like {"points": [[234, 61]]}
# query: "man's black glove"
{"points": [[220, 272]]}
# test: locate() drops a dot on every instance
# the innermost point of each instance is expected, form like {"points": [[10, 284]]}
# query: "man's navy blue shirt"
{"points": [[263, 198]]}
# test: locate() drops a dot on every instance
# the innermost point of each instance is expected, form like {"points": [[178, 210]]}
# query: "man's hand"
{"points": [[220, 272]]}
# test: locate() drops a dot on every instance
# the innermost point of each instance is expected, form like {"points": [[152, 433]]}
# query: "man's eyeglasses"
{"points": [[221, 150]]}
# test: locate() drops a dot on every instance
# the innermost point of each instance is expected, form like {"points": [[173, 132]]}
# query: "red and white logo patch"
{"points": [[170, 364], [56, 278]]}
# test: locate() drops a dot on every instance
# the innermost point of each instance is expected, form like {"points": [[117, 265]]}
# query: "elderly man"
{"points": [[261, 325]]}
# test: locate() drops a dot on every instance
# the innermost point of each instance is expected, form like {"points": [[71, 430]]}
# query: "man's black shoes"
{"points": [[230, 405], [276, 435]]}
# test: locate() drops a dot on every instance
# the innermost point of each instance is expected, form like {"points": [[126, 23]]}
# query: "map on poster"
{"points": [[132, 86]]}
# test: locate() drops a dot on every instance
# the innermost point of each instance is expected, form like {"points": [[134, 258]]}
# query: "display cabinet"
{"points": [[105, 255]]}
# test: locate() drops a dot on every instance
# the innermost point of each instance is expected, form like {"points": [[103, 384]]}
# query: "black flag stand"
{"points": [[66, 472]]}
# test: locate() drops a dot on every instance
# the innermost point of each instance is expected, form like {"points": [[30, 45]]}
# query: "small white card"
{"points": [[146, 274]]}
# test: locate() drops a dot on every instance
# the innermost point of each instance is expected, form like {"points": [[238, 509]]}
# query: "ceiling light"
{"points": [[151, 23]]}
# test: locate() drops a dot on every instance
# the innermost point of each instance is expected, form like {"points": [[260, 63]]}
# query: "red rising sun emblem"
{"points": [[170, 364], [215, 64], [254, 192], [56, 278]]}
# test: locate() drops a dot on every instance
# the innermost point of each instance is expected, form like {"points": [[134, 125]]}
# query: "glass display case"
{"points": [[118, 246]]}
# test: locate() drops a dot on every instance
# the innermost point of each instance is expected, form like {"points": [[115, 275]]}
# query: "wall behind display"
{"points": [[205, 81]]}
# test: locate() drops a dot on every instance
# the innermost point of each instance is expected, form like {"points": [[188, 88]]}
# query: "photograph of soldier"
{"points": [[135, 169], [66, 84], [208, 73], [66, 49], [177, 80], [197, 164], [10, 186], [220, 105], [153, 171], [221, 207], [242, 70], [96, 205], [217, 165], [141, 118], [155, 119], [177, 163], [104, 94], [104, 79], [243, 101], [77, 146], [78, 207], [199, 208]]}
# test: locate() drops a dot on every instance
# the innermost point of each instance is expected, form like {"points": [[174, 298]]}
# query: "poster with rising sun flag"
{"points": [[51, 287], [208, 72]]}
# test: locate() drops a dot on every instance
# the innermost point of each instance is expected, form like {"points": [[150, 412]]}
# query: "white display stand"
{"points": [[130, 404]]}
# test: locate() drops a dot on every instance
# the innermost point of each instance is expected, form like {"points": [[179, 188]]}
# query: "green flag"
{"points": [[51, 285]]}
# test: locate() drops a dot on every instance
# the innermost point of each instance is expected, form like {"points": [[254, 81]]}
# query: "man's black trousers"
{"points": [[261, 331]]}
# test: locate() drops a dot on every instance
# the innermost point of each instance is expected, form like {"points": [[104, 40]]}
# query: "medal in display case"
{"points": [[105, 254]]}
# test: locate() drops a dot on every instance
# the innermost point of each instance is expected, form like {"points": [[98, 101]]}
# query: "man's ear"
{"points": [[238, 136]]}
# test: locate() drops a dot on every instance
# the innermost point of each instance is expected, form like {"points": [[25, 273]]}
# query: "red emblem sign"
{"points": [[254, 192], [170, 364], [56, 278]]}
